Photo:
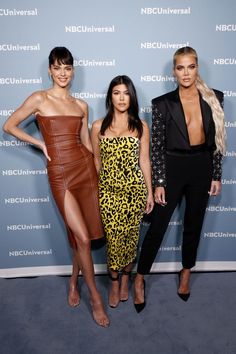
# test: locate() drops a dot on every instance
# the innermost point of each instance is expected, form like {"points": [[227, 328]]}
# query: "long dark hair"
{"points": [[62, 55], [134, 122]]}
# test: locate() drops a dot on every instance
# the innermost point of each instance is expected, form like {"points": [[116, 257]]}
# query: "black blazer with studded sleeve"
{"points": [[169, 132]]}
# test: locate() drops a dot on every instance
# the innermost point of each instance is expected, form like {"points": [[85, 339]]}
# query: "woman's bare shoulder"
{"points": [[37, 96], [97, 123], [82, 104], [145, 124]]}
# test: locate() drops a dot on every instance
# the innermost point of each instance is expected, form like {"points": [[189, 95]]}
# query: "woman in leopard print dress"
{"points": [[121, 150]]}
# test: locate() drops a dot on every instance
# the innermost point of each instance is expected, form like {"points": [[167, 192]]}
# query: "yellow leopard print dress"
{"points": [[122, 196]]}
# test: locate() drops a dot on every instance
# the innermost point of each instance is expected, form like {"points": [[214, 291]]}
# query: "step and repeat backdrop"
{"points": [[137, 38]]}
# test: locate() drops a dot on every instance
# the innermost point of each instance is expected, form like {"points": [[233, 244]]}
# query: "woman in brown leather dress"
{"points": [[63, 122]]}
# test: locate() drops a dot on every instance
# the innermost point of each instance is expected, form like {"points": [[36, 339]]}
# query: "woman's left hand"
{"points": [[150, 203], [215, 188]]}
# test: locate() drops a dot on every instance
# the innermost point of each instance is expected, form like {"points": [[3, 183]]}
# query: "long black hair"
{"points": [[134, 122], [61, 55]]}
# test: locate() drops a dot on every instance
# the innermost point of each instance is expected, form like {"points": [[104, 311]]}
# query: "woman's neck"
{"points": [[120, 118], [188, 92], [59, 92]]}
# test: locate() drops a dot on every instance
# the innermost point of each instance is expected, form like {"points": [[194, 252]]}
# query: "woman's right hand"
{"points": [[42, 146], [149, 204], [159, 196]]}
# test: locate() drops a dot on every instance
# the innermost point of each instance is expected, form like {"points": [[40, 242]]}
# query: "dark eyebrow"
{"points": [[66, 66], [182, 66]]}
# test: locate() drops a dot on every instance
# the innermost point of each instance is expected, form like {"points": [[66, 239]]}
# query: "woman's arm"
{"points": [[217, 159], [84, 133], [145, 165], [158, 155], [158, 148], [30, 106], [95, 132]]}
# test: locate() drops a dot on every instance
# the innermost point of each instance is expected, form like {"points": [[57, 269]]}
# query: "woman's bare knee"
{"points": [[83, 242]]}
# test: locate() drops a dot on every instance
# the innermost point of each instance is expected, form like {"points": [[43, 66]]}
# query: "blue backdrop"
{"points": [[136, 38]]}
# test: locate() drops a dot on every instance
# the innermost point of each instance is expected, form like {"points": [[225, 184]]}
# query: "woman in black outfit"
{"points": [[188, 142]]}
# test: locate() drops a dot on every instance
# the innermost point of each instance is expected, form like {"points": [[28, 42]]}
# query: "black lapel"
{"points": [[206, 115], [176, 110]]}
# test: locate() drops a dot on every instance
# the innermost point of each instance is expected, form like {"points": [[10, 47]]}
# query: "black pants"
{"points": [[189, 176]]}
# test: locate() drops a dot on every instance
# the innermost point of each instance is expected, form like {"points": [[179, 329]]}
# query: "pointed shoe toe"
{"points": [[184, 297], [139, 307]]}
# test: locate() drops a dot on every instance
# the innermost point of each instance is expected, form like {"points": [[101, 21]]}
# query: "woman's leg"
{"points": [[73, 297], [119, 291], [124, 285], [154, 236], [139, 295], [196, 203], [160, 218], [196, 196], [150, 247], [151, 244], [83, 256], [114, 291], [184, 279]]}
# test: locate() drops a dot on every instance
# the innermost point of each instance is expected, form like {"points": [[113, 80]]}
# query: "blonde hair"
{"points": [[209, 96]]}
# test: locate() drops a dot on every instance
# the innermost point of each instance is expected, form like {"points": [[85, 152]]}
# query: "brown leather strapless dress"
{"points": [[71, 168]]}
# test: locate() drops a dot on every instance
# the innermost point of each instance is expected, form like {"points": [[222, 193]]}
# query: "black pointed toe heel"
{"points": [[182, 296], [140, 307]]}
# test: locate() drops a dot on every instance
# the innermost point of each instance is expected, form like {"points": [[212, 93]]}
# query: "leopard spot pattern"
{"points": [[122, 196]]}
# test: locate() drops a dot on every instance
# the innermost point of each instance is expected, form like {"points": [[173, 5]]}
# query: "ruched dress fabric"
{"points": [[122, 197], [71, 169]]}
